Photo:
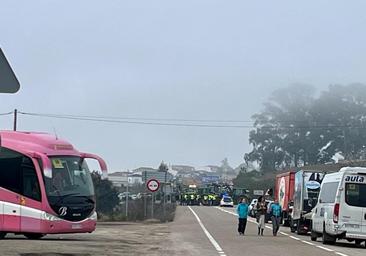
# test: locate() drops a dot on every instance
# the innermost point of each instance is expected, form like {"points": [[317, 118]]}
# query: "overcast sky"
{"points": [[186, 59]]}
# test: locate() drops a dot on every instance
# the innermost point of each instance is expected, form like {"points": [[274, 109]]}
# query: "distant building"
{"points": [[182, 168], [118, 179], [135, 179], [121, 179], [140, 170]]}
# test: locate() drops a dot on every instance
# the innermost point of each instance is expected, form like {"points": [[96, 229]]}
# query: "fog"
{"points": [[204, 60]]}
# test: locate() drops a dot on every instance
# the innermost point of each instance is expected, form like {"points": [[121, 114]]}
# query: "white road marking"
{"points": [[325, 248], [306, 242], [341, 254], [209, 236], [293, 237]]}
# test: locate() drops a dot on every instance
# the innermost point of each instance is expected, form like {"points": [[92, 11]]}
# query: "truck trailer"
{"points": [[306, 192], [284, 192]]}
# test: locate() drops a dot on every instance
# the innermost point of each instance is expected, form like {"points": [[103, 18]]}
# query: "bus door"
{"points": [[30, 200]]}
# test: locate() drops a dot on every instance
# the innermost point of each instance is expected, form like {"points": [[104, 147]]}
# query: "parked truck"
{"points": [[284, 192], [306, 192]]}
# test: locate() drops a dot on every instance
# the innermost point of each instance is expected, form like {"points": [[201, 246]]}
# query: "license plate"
{"points": [[76, 226]]}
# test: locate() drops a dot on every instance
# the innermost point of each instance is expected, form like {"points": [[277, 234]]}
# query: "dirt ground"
{"points": [[108, 239]]}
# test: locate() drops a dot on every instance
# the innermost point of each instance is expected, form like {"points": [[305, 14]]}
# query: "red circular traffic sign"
{"points": [[153, 185]]}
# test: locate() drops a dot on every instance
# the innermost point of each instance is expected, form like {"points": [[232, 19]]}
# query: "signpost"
{"points": [[258, 192], [152, 185]]}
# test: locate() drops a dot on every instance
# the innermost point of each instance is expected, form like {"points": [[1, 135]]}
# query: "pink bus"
{"points": [[45, 186]]}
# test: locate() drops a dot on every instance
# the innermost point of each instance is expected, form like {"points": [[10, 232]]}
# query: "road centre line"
{"points": [[292, 237], [209, 236]]}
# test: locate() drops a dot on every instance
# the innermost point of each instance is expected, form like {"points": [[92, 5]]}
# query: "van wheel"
{"points": [[300, 231], [2, 235], [328, 239], [313, 236], [34, 236]]}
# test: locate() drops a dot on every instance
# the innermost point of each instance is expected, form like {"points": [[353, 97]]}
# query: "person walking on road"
{"points": [[261, 208], [242, 210], [276, 211]]}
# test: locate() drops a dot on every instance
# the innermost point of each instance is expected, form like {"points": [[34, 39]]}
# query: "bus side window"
{"points": [[31, 187], [10, 172]]}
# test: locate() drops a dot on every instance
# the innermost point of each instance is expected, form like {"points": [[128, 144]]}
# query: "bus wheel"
{"points": [[2, 235], [34, 236]]}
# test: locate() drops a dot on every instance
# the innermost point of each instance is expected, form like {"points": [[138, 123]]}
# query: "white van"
{"points": [[341, 209]]}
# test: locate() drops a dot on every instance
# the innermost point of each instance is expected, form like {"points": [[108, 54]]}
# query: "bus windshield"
{"points": [[70, 177]]}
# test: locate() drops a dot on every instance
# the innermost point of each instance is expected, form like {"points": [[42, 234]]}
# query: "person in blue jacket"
{"points": [[242, 210], [276, 212]]}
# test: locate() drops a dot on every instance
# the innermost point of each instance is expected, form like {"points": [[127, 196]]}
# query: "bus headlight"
{"points": [[94, 216], [49, 217]]}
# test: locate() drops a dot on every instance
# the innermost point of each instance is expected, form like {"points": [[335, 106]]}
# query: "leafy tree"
{"points": [[106, 195], [296, 129], [279, 136], [225, 167], [163, 167], [340, 113], [254, 180]]}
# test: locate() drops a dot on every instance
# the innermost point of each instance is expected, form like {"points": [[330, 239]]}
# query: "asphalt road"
{"points": [[198, 230], [217, 235]]}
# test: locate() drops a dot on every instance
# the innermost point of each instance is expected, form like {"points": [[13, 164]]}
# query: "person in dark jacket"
{"points": [[242, 210], [261, 209]]}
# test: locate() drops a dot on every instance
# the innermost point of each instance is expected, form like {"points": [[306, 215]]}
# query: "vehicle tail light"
{"points": [[336, 213]]}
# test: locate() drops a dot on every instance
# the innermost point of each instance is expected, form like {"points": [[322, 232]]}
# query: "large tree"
{"points": [[279, 136], [296, 128], [106, 195]]}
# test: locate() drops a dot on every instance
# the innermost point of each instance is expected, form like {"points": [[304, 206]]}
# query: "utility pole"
{"points": [[127, 197], [15, 119]]}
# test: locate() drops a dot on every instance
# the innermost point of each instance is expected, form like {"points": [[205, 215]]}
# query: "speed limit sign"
{"points": [[153, 185]]}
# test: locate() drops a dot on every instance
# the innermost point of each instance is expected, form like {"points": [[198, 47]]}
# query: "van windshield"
{"points": [[355, 194]]}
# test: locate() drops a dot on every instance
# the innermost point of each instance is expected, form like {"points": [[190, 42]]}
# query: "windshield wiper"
{"points": [[66, 195], [88, 199]]}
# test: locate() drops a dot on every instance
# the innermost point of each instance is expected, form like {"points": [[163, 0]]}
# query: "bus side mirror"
{"points": [[47, 168], [101, 162]]}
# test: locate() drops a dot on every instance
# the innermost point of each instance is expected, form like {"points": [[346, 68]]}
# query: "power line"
{"points": [[161, 119], [202, 125], [134, 122], [142, 119], [6, 114]]}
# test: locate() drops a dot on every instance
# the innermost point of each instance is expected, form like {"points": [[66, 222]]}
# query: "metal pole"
{"points": [[152, 205], [145, 207], [164, 195], [15, 119], [127, 197]]}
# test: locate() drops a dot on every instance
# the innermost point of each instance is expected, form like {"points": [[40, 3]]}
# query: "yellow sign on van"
{"points": [[57, 164]]}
